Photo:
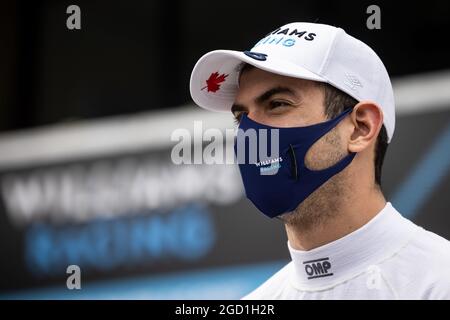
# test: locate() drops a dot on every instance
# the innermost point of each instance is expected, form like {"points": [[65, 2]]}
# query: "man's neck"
{"points": [[349, 217]]}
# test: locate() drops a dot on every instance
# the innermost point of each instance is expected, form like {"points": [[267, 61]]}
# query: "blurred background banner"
{"points": [[86, 118]]}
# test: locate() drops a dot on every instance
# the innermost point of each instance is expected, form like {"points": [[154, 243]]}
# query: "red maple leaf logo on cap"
{"points": [[213, 83]]}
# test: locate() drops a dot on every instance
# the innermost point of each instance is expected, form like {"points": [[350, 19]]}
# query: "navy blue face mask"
{"points": [[278, 184]]}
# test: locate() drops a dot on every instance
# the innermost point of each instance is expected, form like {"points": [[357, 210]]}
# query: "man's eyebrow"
{"points": [[266, 95], [263, 97]]}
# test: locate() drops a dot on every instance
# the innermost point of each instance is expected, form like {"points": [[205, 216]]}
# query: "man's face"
{"points": [[281, 101]]}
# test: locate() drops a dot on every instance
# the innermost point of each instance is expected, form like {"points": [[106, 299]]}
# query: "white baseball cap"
{"points": [[302, 50]]}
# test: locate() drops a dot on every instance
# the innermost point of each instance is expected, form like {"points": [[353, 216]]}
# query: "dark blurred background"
{"points": [[137, 55], [68, 95]]}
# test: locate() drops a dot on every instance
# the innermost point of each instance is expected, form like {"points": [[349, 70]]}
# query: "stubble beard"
{"points": [[322, 205]]}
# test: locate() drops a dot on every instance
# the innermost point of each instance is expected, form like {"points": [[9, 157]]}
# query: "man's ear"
{"points": [[367, 120]]}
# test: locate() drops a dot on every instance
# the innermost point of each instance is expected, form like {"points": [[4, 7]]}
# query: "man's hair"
{"points": [[336, 102]]}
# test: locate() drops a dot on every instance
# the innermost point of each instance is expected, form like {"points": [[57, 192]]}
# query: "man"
{"points": [[329, 99]]}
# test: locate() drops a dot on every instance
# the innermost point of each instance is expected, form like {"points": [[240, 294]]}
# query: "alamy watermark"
{"points": [[214, 146], [374, 20], [74, 279], [73, 21]]}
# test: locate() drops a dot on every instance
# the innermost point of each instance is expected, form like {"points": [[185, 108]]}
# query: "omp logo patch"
{"points": [[318, 268]]}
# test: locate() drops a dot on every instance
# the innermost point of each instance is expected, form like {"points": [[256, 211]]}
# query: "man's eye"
{"points": [[277, 103]]}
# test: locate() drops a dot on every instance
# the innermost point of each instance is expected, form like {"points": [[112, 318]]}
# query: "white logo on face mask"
{"points": [[270, 165]]}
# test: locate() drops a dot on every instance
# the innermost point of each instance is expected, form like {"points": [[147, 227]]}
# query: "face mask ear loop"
{"points": [[294, 162]]}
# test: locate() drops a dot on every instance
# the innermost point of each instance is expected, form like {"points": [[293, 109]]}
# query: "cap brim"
{"points": [[227, 63]]}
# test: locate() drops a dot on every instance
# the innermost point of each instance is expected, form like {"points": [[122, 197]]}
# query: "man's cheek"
{"points": [[325, 152], [315, 157]]}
